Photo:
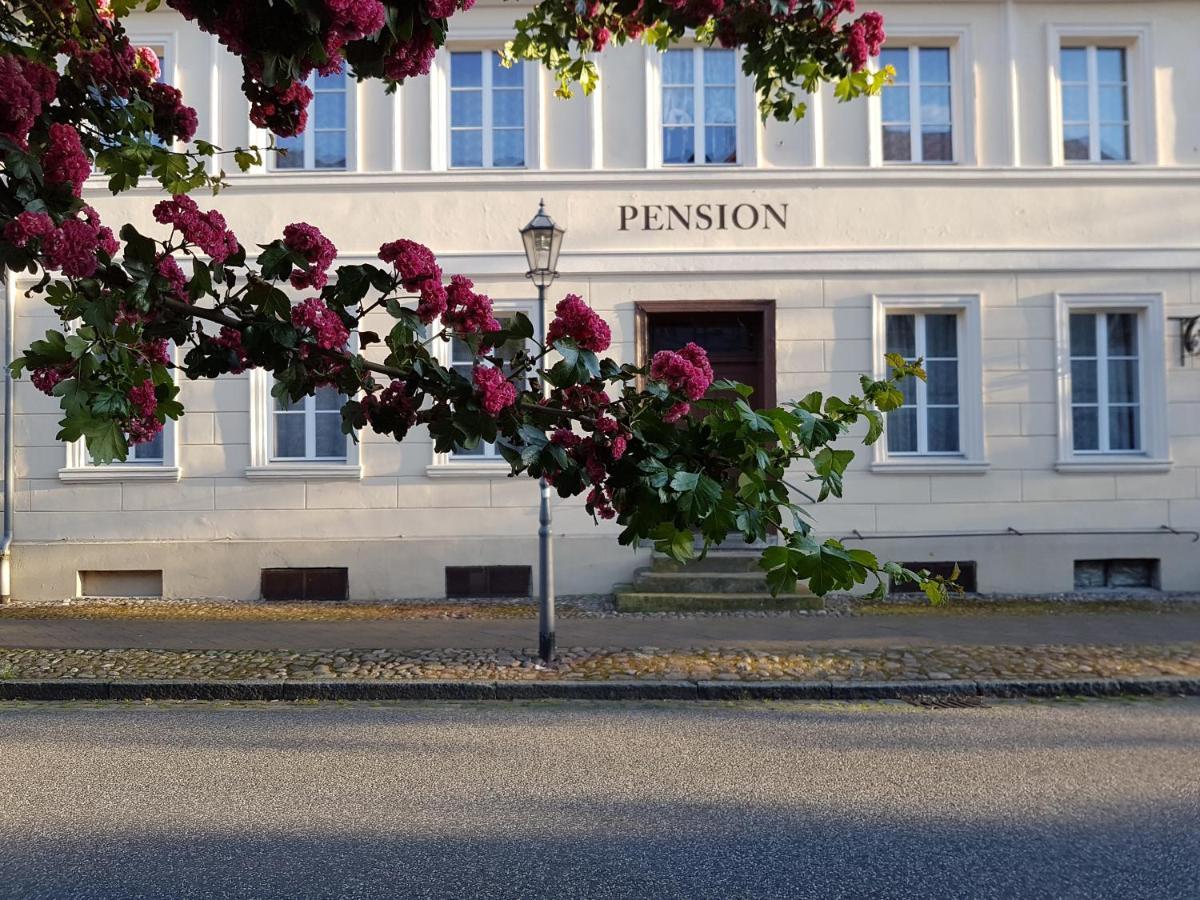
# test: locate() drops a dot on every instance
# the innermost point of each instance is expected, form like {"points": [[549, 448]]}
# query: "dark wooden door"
{"points": [[736, 340]]}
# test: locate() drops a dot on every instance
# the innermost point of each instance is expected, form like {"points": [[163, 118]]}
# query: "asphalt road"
{"points": [[1020, 800]]}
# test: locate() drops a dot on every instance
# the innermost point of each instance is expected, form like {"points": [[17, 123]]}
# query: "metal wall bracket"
{"points": [[1189, 337]]}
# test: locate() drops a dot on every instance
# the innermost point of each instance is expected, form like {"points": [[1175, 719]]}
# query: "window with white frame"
{"points": [[699, 106], [1105, 382], [928, 424], [326, 141], [1112, 382], [487, 111], [1095, 103], [463, 362], [156, 459], [309, 429], [917, 116]]}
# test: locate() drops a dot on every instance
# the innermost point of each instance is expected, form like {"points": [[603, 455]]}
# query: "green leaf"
{"points": [[685, 481]]}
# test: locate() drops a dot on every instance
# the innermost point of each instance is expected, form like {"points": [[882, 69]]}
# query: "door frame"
{"points": [[643, 309]]}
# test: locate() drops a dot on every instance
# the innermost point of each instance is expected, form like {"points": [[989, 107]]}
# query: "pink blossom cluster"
{"points": [[327, 329], [231, 339], [26, 88], [177, 282], [72, 247], [156, 350], [574, 319], [496, 393], [419, 273], [466, 311], [172, 119], [206, 230], [411, 58], [317, 249], [864, 37], [146, 60], [26, 227], [350, 20], [595, 452], [45, 379], [392, 411], [686, 371], [283, 108], [143, 425], [64, 161]]}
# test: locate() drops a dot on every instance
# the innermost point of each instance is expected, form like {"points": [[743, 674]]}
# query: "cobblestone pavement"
{"points": [[1048, 661]]}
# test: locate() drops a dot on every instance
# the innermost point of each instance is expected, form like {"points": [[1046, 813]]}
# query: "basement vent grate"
{"points": [[947, 701], [132, 583], [968, 578], [306, 585], [488, 581], [1099, 574]]}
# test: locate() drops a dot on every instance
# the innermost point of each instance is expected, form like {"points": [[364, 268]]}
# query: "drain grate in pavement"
{"points": [[947, 701]]}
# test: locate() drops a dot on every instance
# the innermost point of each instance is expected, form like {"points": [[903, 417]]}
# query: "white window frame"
{"points": [[1092, 85], [309, 136], [491, 464], [80, 468], [915, 120], [1140, 94], [1152, 382], [970, 458], [487, 126], [262, 422], [749, 132], [957, 40], [475, 39]]}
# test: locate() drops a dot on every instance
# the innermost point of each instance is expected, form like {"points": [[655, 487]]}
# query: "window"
{"points": [[939, 429], [325, 143], [488, 581], [1112, 382], [301, 439], [487, 111], [917, 119], [309, 428], [1095, 104], [699, 106], [462, 361], [928, 423], [1105, 391]]}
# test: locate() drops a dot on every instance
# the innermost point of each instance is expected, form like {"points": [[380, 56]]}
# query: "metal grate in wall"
{"points": [[488, 581], [1101, 574], [310, 585], [967, 576]]}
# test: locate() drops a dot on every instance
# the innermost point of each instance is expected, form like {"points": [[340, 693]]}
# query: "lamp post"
{"points": [[543, 239]]}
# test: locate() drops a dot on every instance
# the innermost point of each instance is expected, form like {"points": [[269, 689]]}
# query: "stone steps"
{"points": [[723, 580]]}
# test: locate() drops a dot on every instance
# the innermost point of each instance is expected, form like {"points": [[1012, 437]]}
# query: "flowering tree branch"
{"points": [[663, 449]]}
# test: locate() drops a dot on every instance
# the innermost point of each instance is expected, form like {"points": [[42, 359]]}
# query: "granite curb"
{"points": [[92, 690]]}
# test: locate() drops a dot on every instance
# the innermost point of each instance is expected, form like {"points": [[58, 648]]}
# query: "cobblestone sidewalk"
{"points": [[1047, 661]]}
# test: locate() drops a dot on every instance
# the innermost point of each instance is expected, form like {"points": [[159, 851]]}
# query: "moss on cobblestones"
{"points": [[841, 664]]}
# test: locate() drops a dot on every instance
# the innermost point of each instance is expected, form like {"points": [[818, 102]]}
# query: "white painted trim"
{"points": [[398, 131], [1012, 83], [970, 378], [214, 99], [595, 103], [1143, 114], [474, 466], [263, 466], [1152, 372], [964, 124], [816, 127], [439, 116]]}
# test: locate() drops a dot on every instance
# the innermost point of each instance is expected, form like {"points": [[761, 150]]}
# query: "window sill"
{"points": [[85, 474], [347, 471], [1113, 465], [497, 469], [931, 466]]}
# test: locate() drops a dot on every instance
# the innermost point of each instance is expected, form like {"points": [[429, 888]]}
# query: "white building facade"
{"points": [[1021, 209]]}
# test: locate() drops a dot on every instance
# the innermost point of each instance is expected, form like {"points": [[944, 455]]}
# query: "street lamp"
{"points": [[543, 239]]}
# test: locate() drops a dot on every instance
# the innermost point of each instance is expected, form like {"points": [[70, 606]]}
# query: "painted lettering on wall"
{"points": [[704, 217]]}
